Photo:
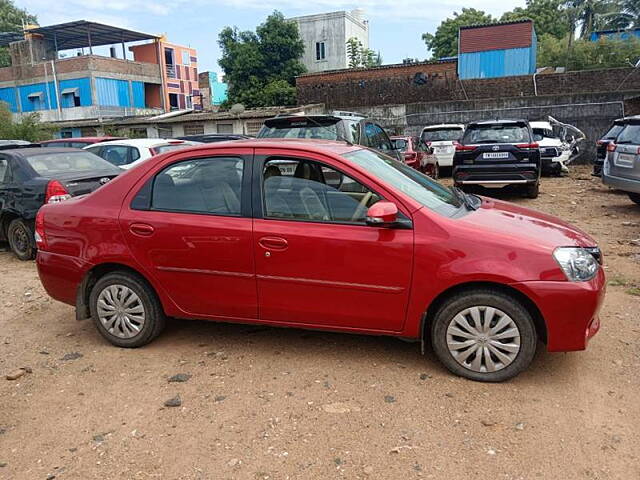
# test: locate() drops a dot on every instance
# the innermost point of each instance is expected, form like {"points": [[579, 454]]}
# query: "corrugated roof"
{"points": [[496, 36]]}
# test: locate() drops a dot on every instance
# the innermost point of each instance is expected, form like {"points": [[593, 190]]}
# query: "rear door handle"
{"points": [[141, 229], [273, 243]]}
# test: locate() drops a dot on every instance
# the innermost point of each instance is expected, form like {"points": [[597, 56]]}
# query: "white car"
{"points": [[564, 138], [443, 138], [129, 152]]}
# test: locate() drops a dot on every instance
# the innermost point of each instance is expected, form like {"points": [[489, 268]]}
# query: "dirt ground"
{"points": [[266, 403]]}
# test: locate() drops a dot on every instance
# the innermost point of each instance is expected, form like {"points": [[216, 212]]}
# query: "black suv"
{"points": [[346, 126], [31, 177], [498, 153], [603, 143]]}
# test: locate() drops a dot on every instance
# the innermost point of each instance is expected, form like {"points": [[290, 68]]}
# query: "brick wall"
{"points": [[396, 85]]}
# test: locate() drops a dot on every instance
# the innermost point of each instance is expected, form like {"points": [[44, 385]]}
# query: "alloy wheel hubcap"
{"points": [[483, 339], [120, 311], [20, 239]]}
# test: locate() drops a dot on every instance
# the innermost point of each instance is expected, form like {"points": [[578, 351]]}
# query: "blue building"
{"points": [[615, 34], [497, 50], [214, 92]]}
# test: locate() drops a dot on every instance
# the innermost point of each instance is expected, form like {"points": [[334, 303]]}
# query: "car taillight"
{"points": [[527, 145], [410, 156], [56, 192], [611, 147], [41, 239], [464, 148]]}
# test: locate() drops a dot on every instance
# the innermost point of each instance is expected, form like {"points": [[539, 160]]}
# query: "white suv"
{"points": [[443, 138], [129, 152]]}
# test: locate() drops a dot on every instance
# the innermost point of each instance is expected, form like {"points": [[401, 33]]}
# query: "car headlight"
{"points": [[578, 264]]}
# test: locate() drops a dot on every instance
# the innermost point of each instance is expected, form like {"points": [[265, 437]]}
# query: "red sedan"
{"points": [[321, 235], [417, 155]]}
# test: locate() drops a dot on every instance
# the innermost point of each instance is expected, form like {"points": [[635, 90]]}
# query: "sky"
{"points": [[395, 27]]}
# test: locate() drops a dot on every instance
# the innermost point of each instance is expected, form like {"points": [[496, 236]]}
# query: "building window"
{"points": [[186, 58], [224, 128], [170, 62], [252, 128], [320, 53], [188, 101], [165, 132], [70, 97], [197, 129], [173, 101]]}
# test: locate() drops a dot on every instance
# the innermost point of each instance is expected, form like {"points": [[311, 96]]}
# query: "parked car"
{"points": [[327, 236], [77, 142], [417, 155], [621, 169], [214, 137], [128, 153], [343, 126], [552, 152], [31, 177], [603, 143], [443, 139], [498, 153]]}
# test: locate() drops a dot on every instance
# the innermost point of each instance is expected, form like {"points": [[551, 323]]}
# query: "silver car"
{"points": [[621, 168]]}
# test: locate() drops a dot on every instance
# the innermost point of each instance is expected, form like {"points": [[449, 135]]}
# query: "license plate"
{"points": [[493, 155], [625, 160]]}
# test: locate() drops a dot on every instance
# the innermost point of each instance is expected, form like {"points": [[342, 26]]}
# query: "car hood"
{"points": [[525, 226]]}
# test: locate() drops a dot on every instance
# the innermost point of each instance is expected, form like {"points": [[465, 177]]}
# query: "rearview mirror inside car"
{"points": [[382, 214]]}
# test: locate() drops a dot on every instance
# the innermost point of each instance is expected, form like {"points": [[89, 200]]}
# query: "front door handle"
{"points": [[273, 243], [141, 229]]}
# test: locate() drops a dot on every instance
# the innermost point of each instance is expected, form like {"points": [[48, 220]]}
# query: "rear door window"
{"points": [[613, 132], [203, 185], [117, 155], [400, 144]]}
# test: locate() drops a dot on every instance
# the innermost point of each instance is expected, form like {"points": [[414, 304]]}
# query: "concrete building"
{"points": [[56, 71], [325, 38], [212, 91]]}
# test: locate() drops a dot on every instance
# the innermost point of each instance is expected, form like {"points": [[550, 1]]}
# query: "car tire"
{"points": [[508, 317], [532, 191], [635, 197], [21, 239], [139, 316]]}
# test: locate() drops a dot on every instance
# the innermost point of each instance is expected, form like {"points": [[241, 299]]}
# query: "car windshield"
{"points": [[47, 164], [441, 135], [613, 132], [496, 133], [400, 144], [630, 134], [407, 180], [302, 129], [542, 133]]}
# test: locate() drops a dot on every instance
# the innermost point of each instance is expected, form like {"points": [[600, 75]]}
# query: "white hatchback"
{"points": [[443, 139], [128, 153]]}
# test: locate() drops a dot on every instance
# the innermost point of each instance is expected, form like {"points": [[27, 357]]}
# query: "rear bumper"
{"points": [[570, 310], [61, 275], [620, 183], [505, 174]]}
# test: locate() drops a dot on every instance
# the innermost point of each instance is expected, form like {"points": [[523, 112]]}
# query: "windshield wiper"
{"points": [[464, 198]]}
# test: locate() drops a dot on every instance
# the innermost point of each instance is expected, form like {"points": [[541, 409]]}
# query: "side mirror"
{"points": [[382, 214]]}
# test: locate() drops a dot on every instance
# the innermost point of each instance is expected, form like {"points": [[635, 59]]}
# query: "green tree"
{"points": [[260, 67], [585, 55], [28, 127], [353, 52], [548, 17], [361, 57], [444, 43], [11, 20]]}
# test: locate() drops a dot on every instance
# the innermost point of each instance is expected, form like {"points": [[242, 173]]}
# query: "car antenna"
{"points": [[338, 136]]}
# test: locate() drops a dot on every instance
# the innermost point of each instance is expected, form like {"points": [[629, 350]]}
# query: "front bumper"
{"points": [[620, 183], [570, 310], [500, 174]]}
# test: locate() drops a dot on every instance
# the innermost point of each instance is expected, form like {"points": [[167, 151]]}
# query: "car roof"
{"points": [[143, 142], [82, 139], [498, 121], [443, 125]]}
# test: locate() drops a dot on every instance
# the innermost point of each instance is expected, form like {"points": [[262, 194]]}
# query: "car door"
{"points": [[317, 262], [189, 227]]}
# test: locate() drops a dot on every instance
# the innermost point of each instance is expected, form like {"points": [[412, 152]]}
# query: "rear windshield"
{"points": [[630, 134], [407, 180], [613, 132], [496, 133], [441, 135], [49, 164], [322, 128], [400, 144]]}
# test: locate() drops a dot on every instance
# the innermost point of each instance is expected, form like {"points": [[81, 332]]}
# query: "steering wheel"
{"points": [[362, 206]]}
